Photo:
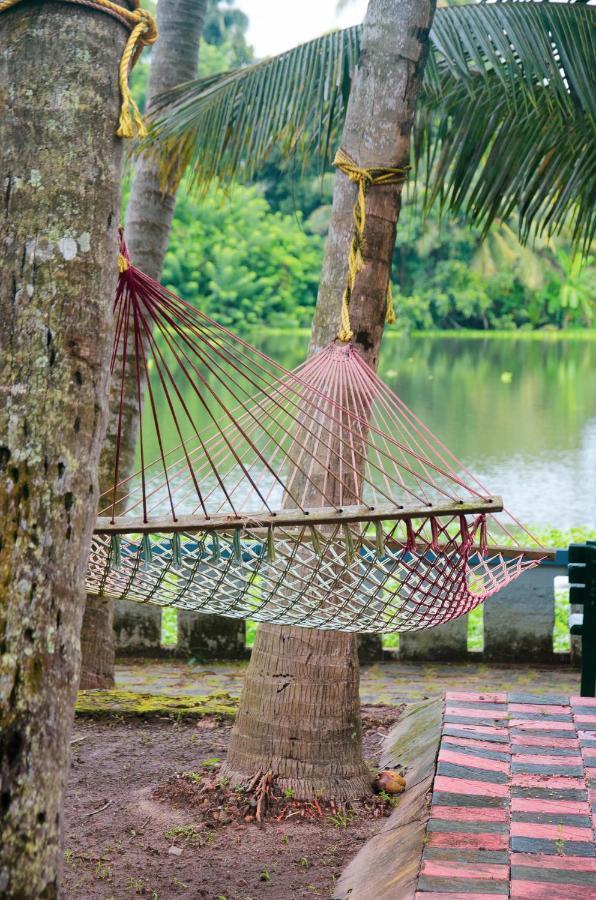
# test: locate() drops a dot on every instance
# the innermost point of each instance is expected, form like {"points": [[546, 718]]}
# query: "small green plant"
{"points": [[189, 833], [285, 839], [178, 884], [390, 799], [210, 763], [342, 818], [288, 793], [135, 884], [102, 870], [194, 776], [265, 875], [305, 862], [69, 857]]}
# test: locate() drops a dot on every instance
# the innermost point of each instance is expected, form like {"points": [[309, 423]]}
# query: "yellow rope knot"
{"points": [[143, 31], [363, 178]]}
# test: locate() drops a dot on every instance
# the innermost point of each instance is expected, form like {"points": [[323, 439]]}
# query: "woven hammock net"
{"points": [[313, 497]]}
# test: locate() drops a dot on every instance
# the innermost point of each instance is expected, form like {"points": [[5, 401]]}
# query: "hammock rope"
{"points": [[143, 32], [313, 497], [363, 178]]}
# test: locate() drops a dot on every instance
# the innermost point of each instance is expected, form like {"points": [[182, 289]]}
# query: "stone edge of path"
{"points": [[387, 866]]}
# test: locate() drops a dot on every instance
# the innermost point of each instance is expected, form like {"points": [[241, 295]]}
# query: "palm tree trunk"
{"points": [[59, 202], [299, 712], [148, 218]]}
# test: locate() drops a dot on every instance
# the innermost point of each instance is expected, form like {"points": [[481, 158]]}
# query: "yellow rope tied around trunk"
{"points": [[363, 178], [143, 31]]}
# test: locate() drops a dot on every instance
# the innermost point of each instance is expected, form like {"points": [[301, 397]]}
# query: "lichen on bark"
{"points": [[59, 201]]}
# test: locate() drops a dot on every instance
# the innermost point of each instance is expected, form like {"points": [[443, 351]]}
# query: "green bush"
{"points": [[241, 263]]}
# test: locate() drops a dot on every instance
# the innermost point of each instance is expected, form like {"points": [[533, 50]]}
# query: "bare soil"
{"points": [[146, 815]]}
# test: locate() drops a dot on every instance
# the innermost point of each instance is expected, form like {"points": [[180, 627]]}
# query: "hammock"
{"points": [[313, 497]]}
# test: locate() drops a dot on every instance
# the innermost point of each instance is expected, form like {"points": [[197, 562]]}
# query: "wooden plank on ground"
{"points": [[387, 867]]}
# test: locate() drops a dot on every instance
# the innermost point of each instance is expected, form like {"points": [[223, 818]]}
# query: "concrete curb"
{"points": [[387, 867]]}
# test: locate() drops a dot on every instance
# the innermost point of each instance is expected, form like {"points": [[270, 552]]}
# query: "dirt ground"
{"points": [[125, 838]]}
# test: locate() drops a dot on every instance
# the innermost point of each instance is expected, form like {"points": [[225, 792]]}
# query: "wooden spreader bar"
{"points": [[293, 517]]}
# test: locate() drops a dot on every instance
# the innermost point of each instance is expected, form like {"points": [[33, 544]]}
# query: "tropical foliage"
{"points": [[249, 259], [241, 262], [223, 45], [251, 256], [506, 125]]}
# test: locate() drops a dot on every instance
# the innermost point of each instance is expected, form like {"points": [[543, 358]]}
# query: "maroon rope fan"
{"points": [[313, 497]]}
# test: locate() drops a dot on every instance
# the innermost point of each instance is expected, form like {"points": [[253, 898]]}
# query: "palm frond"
{"points": [[506, 122], [227, 125]]}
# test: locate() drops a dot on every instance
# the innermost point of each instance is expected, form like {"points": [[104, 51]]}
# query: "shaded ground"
{"points": [[122, 841], [388, 683]]}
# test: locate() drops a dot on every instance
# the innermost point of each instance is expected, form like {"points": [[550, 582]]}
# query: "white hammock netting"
{"points": [[313, 497]]}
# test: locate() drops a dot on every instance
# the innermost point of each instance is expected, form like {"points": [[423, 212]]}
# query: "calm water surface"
{"points": [[521, 414]]}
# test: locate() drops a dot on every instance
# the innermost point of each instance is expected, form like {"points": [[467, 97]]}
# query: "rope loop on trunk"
{"points": [[363, 178], [143, 32]]}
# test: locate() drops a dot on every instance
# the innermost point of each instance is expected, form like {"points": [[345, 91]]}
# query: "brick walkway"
{"points": [[514, 800]]}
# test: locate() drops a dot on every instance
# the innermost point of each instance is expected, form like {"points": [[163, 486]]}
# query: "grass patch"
{"points": [[250, 631], [169, 627], [130, 703], [547, 334], [476, 629], [555, 334], [390, 641], [561, 636]]}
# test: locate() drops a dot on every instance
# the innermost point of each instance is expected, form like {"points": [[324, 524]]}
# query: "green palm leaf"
{"points": [[506, 122]]}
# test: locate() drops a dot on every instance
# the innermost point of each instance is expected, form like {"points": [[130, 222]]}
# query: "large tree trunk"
{"points": [[59, 202], [149, 214], [299, 712]]}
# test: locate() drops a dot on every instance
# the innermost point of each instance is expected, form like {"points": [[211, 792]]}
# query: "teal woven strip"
{"points": [[116, 552], [237, 546], [147, 552], [176, 550]]}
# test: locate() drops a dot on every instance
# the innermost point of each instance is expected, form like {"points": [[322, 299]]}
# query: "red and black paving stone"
{"points": [[514, 800]]}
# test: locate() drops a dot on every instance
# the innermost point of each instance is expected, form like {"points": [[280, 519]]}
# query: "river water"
{"points": [[520, 413]]}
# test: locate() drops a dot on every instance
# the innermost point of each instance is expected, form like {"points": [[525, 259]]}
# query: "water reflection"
{"points": [[521, 414]]}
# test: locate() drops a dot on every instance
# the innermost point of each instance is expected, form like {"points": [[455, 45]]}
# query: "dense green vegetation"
{"points": [[247, 259], [242, 262], [251, 256]]}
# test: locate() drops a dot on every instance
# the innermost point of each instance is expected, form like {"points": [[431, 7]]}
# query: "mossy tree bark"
{"points": [[299, 713], [174, 59], [59, 201]]}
